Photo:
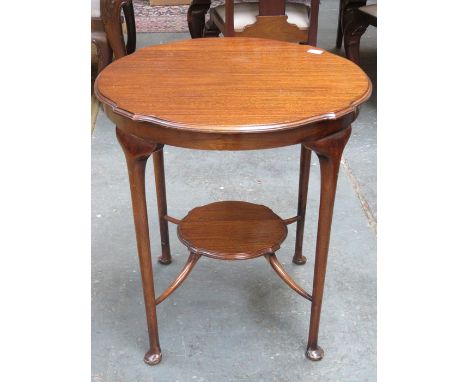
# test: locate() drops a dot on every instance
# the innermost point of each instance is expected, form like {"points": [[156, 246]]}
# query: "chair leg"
{"points": [[344, 6], [196, 17], [211, 30], [339, 32], [354, 28]]}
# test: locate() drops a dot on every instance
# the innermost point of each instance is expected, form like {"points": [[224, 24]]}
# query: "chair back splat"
{"points": [[278, 20]]}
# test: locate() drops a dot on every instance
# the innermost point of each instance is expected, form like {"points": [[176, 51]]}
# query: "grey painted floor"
{"points": [[236, 321]]}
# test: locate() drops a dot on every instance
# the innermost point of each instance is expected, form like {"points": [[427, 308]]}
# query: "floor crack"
{"points": [[371, 219]]}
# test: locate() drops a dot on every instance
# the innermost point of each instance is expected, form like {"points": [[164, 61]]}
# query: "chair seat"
{"points": [[371, 10], [246, 14], [95, 8]]}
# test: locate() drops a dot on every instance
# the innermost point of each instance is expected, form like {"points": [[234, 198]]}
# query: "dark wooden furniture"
{"points": [[277, 20], [232, 231], [344, 6], [310, 100], [106, 28], [355, 23], [98, 36]]}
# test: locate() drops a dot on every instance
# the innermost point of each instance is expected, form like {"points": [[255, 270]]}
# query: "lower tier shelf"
{"points": [[232, 230]]}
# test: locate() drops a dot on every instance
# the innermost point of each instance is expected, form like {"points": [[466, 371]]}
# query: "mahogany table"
{"points": [[260, 94]]}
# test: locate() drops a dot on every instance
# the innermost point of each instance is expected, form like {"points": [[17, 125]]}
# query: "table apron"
{"points": [[230, 141]]}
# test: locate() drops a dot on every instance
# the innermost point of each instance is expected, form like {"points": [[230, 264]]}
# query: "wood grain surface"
{"points": [[232, 85], [232, 230], [232, 94]]}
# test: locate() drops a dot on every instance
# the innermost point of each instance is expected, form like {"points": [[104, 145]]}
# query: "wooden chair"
{"points": [[344, 6], [355, 23], [98, 36], [107, 37], [107, 32], [276, 20]]}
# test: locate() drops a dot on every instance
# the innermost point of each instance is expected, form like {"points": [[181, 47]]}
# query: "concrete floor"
{"points": [[237, 321]]}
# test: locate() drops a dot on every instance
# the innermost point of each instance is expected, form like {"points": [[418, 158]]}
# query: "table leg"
{"points": [[196, 17], [302, 203], [329, 151], [137, 153], [158, 160]]}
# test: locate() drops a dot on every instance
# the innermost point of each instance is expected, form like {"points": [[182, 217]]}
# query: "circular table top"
{"points": [[232, 85]]}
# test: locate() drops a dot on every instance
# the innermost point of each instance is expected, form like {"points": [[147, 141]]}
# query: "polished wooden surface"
{"points": [[256, 85], [232, 230], [239, 140], [259, 94]]}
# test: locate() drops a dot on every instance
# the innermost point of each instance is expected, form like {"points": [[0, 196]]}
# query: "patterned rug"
{"points": [[150, 18]]}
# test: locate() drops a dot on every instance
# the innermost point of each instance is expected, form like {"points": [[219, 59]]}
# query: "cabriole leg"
{"points": [[137, 153], [302, 204], [158, 160], [329, 151]]}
